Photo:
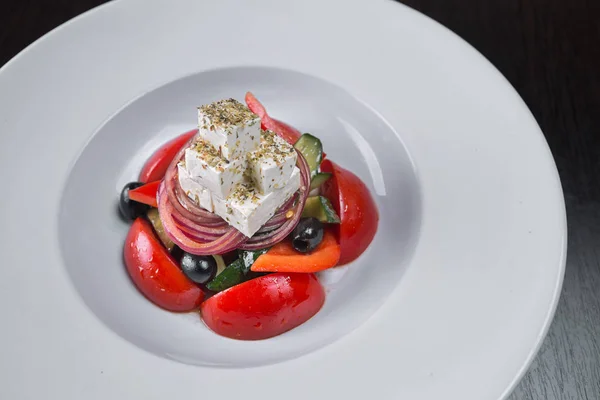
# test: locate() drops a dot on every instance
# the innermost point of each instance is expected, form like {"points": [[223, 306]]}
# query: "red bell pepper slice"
{"points": [[282, 257], [145, 194], [287, 132]]}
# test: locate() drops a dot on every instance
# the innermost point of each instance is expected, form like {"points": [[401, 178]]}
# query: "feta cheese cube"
{"points": [[229, 126], [271, 165], [194, 190], [204, 164], [247, 210]]}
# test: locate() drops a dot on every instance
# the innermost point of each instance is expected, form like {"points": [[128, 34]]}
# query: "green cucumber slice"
{"points": [[236, 272], [319, 179], [312, 150], [231, 276], [320, 207]]}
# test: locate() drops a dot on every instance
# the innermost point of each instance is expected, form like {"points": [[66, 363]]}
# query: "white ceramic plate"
{"points": [[454, 296]]}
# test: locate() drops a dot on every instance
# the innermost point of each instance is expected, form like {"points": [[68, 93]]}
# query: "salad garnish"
{"points": [[234, 219]]}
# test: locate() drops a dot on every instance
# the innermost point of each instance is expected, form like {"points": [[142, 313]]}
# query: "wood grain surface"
{"points": [[550, 51]]}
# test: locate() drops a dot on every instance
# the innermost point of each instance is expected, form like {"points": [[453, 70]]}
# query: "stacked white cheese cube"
{"points": [[272, 164], [247, 210], [194, 190], [230, 127], [235, 170]]}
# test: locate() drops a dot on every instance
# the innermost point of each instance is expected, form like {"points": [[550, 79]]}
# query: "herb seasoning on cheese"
{"points": [[208, 153], [272, 147], [238, 172], [227, 112]]}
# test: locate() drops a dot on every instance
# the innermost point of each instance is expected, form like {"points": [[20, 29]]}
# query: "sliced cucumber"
{"points": [[154, 219], [231, 275], [312, 150], [319, 179], [236, 272], [320, 208]]}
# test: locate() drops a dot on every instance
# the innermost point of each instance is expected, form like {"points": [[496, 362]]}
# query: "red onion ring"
{"points": [[197, 214], [227, 242], [203, 232]]}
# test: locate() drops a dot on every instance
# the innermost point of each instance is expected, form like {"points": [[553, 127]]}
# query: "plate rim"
{"points": [[562, 262]]}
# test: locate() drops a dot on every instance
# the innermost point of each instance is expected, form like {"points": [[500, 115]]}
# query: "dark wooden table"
{"points": [[550, 51]]}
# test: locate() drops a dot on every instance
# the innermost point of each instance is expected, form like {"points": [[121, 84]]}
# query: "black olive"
{"points": [[131, 209], [307, 235], [199, 269]]}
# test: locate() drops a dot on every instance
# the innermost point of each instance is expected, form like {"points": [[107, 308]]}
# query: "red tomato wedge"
{"points": [[290, 134], [264, 307], [357, 210], [156, 166], [146, 194], [282, 257], [155, 272]]}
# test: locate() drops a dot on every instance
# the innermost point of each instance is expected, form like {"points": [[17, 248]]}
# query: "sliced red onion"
{"points": [[196, 238], [198, 215], [226, 243], [203, 232], [187, 206]]}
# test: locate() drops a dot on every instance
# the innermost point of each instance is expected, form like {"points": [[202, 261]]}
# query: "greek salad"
{"points": [[233, 220]]}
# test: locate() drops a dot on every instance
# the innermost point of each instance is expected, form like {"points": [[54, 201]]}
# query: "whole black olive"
{"points": [[307, 235], [199, 269], [131, 209]]}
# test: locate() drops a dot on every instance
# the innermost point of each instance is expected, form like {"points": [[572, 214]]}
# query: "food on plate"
{"points": [[154, 219], [199, 269], [283, 257], [145, 194], [283, 301], [155, 168], [156, 273], [356, 209], [320, 207], [307, 235], [131, 209], [233, 219]]}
